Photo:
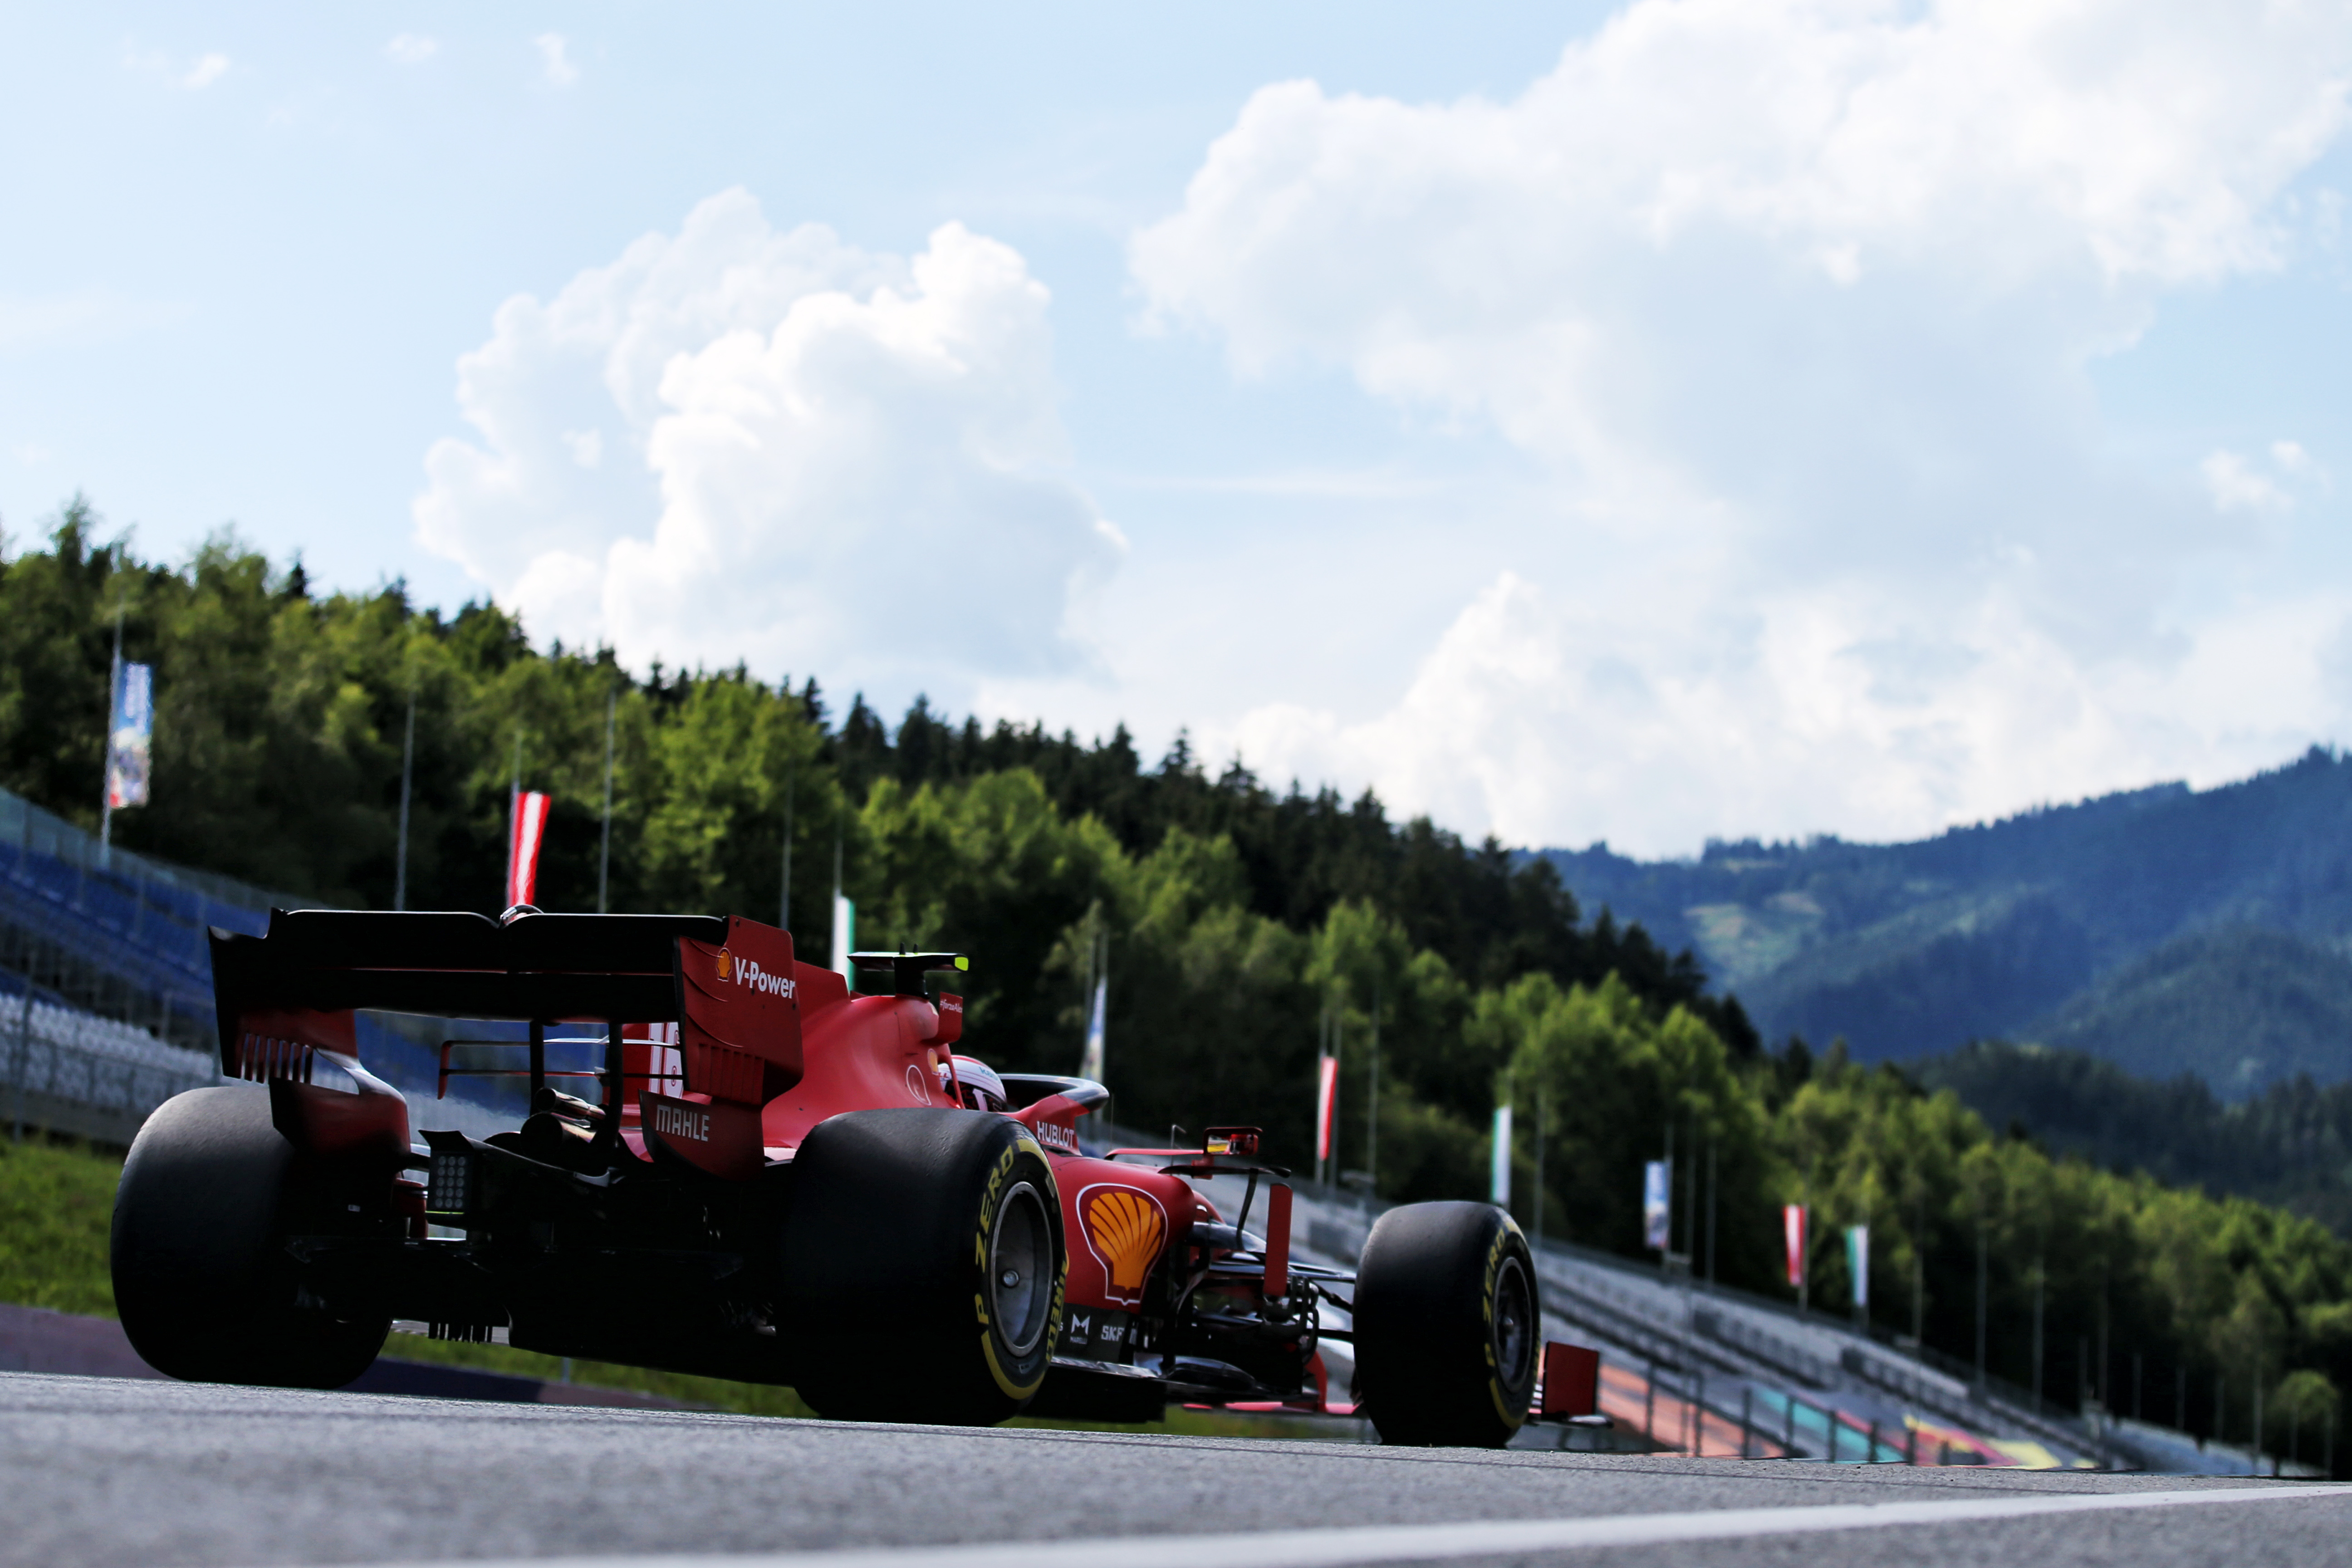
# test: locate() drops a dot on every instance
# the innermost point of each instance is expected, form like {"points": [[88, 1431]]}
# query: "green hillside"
{"points": [[2039, 926], [2238, 1007]]}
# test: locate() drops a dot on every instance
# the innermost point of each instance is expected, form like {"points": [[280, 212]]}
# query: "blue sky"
{"points": [[1634, 423]]}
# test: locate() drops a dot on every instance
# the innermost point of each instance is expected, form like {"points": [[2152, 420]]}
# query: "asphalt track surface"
{"points": [[105, 1472]]}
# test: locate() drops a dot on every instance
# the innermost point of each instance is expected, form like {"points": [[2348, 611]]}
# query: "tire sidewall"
{"points": [[1022, 1162], [1510, 1395]]}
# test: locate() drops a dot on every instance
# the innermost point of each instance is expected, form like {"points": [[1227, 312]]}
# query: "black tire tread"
{"points": [[202, 1295], [1425, 1373], [879, 1270]]}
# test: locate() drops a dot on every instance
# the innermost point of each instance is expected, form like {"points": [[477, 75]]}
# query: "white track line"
{"points": [[1336, 1548]]}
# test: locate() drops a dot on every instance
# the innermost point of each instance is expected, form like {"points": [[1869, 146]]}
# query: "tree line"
{"points": [[1246, 929]]}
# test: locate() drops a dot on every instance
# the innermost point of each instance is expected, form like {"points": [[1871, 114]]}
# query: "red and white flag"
{"points": [[1327, 1100], [527, 828], [1792, 1227]]}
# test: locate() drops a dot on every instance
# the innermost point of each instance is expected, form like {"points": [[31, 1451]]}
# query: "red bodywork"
{"points": [[852, 1052]]}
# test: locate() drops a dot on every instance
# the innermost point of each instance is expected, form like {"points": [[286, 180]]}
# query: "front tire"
{"points": [[924, 1266], [204, 1291], [1447, 1324]]}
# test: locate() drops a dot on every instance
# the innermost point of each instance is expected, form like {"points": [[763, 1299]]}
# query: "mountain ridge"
{"points": [[2007, 928]]}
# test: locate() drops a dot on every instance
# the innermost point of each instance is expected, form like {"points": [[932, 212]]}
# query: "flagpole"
{"points": [[106, 768], [1373, 1112], [604, 856], [784, 899], [408, 763], [514, 823]]}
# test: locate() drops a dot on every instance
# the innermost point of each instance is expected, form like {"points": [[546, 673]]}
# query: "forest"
{"points": [[2290, 1146], [1244, 924]]}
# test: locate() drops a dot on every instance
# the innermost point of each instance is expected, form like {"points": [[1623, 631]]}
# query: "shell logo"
{"points": [[726, 964], [1125, 1228]]}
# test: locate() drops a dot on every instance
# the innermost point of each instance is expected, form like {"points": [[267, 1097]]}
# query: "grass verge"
{"points": [[56, 1203]]}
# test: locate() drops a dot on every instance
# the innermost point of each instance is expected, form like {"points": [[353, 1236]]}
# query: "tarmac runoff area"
{"points": [[107, 1471]]}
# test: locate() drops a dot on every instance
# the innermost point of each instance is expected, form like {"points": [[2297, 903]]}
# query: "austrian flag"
{"points": [[527, 830]]}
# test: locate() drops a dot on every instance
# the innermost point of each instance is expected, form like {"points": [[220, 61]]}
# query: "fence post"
{"points": [[20, 1061], [1748, 1418], [1650, 1404], [1789, 1440], [1829, 1419], [1911, 1443]]}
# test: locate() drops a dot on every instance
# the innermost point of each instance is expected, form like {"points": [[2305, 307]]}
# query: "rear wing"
{"points": [[730, 983], [458, 965]]}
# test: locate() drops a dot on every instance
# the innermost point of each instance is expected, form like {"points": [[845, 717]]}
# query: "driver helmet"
{"points": [[982, 1089]]}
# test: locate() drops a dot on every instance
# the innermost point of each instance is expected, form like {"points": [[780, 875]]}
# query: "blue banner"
{"points": [[1657, 1209], [128, 730]]}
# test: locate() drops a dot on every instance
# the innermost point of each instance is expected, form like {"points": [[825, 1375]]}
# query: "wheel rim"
{"points": [[1514, 1324], [1020, 1268]]}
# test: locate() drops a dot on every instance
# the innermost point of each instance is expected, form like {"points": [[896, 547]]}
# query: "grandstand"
{"points": [[106, 991], [1706, 1370]]}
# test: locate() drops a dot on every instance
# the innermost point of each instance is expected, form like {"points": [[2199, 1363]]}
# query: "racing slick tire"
{"points": [[1447, 1325], [924, 1266], [204, 1293]]}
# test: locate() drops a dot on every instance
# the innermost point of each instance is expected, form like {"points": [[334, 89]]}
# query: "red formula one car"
{"points": [[777, 1180]]}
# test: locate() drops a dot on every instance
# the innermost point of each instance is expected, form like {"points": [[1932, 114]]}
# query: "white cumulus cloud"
{"points": [[411, 48], [735, 443], [1793, 304], [2236, 486], [555, 59], [194, 76], [1547, 716]]}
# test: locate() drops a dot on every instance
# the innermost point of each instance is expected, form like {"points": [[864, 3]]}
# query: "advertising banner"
{"points": [[1502, 1173], [130, 728], [1792, 1227], [1657, 1205], [1857, 1262]]}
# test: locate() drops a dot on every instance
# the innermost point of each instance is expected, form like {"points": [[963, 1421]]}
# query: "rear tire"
{"points": [[1447, 1325], [924, 1266], [205, 1291]]}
